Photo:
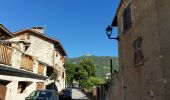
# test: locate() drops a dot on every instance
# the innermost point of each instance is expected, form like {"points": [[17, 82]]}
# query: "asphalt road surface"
{"points": [[77, 94]]}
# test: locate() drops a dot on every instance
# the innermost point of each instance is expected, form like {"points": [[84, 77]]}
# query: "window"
{"points": [[138, 54], [22, 86], [62, 74], [40, 85], [127, 21], [25, 36]]}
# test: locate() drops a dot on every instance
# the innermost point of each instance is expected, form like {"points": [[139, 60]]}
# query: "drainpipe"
{"points": [[121, 51]]}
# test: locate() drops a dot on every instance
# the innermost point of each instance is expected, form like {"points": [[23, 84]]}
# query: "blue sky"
{"points": [[78, 24]]}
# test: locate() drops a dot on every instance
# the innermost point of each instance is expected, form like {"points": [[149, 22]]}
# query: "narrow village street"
{"points": [[77, 94], [85, 50]]}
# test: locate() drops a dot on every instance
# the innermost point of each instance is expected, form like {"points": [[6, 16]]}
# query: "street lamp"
{"points": [[109, 33]]}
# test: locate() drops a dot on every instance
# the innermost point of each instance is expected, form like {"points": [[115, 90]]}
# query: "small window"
{"points": [[21, 87], [138, 54], [27, 36], [40, 85], [127, 21], [62, 74]]}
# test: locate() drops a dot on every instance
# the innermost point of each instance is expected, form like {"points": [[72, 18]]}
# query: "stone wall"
{"points": [[39, 48], [163, 23], [16, 62], [43, 51], [145, 81]]}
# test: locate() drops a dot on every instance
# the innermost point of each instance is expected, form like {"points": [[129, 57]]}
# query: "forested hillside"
{"points": [[102, 63]]}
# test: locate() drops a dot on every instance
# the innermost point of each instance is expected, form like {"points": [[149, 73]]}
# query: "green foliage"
{"points": [[86, 83], [83, 74], [90, 82], [86, 74], [91, 70], [54, 75], [96, 81], [86, 69], [89, 66], [70, 71], [102, 63]]}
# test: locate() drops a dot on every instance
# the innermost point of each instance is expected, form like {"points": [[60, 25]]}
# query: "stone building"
{"points": [[28, 60], [19, 74], [144, 50], [46, 49]]}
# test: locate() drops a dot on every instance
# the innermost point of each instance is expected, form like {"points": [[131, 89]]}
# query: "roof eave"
{"points": [[114, 22], [54, 40], [6, 30]]}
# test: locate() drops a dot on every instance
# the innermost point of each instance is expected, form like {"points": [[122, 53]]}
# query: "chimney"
{"points": [[38, 29]]}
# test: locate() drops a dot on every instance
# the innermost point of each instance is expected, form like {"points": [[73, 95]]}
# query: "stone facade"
{"points": [[28, 59], [13, 74], [39, 48], [144, 75], [45, 50]]}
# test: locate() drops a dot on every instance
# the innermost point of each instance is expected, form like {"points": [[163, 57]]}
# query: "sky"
{"points": [[78, 24]]}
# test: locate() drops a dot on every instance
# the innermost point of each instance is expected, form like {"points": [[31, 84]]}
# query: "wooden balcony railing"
{"points": [[5, 55], [27, 62], [40, 69]]}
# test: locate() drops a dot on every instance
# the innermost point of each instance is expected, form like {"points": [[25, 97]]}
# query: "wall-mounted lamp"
{"points": [[109, 33]]}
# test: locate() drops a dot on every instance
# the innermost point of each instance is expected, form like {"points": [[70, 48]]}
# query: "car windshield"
{"points": [[41, 95]]}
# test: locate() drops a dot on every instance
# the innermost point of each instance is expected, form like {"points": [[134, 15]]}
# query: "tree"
{"points": [[90, 82], [70, 71], [85, 74], [96, 81], [54, 75], [86, 69], [89, 66]]}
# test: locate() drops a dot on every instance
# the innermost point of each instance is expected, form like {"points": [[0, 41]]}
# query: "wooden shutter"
{"points": [[40, 86], [127, 21], [3, 90], [128, 16]]}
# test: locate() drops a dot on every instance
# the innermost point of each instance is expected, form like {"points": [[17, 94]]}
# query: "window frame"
{"points": [[138, 52], [127, 18]]}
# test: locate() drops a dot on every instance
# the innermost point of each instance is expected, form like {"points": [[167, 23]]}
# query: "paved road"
{"points": [[77, 94]]}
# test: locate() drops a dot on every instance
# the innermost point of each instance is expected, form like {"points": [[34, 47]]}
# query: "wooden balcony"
{"points": [[40, 69], [5, 55], [27, 62], [16, 59]]}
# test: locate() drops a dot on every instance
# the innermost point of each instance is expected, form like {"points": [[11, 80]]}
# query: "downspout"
{"points": [[121, 58]]}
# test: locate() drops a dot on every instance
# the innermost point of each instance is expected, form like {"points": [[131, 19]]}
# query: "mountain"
{"points": [[102, 63]]}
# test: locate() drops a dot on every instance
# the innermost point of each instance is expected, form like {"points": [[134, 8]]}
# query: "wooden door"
{"points": [[3, 90]]}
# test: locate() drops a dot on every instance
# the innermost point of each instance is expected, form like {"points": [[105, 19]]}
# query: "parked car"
{"points": [[65, 94], [43, 95]]}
